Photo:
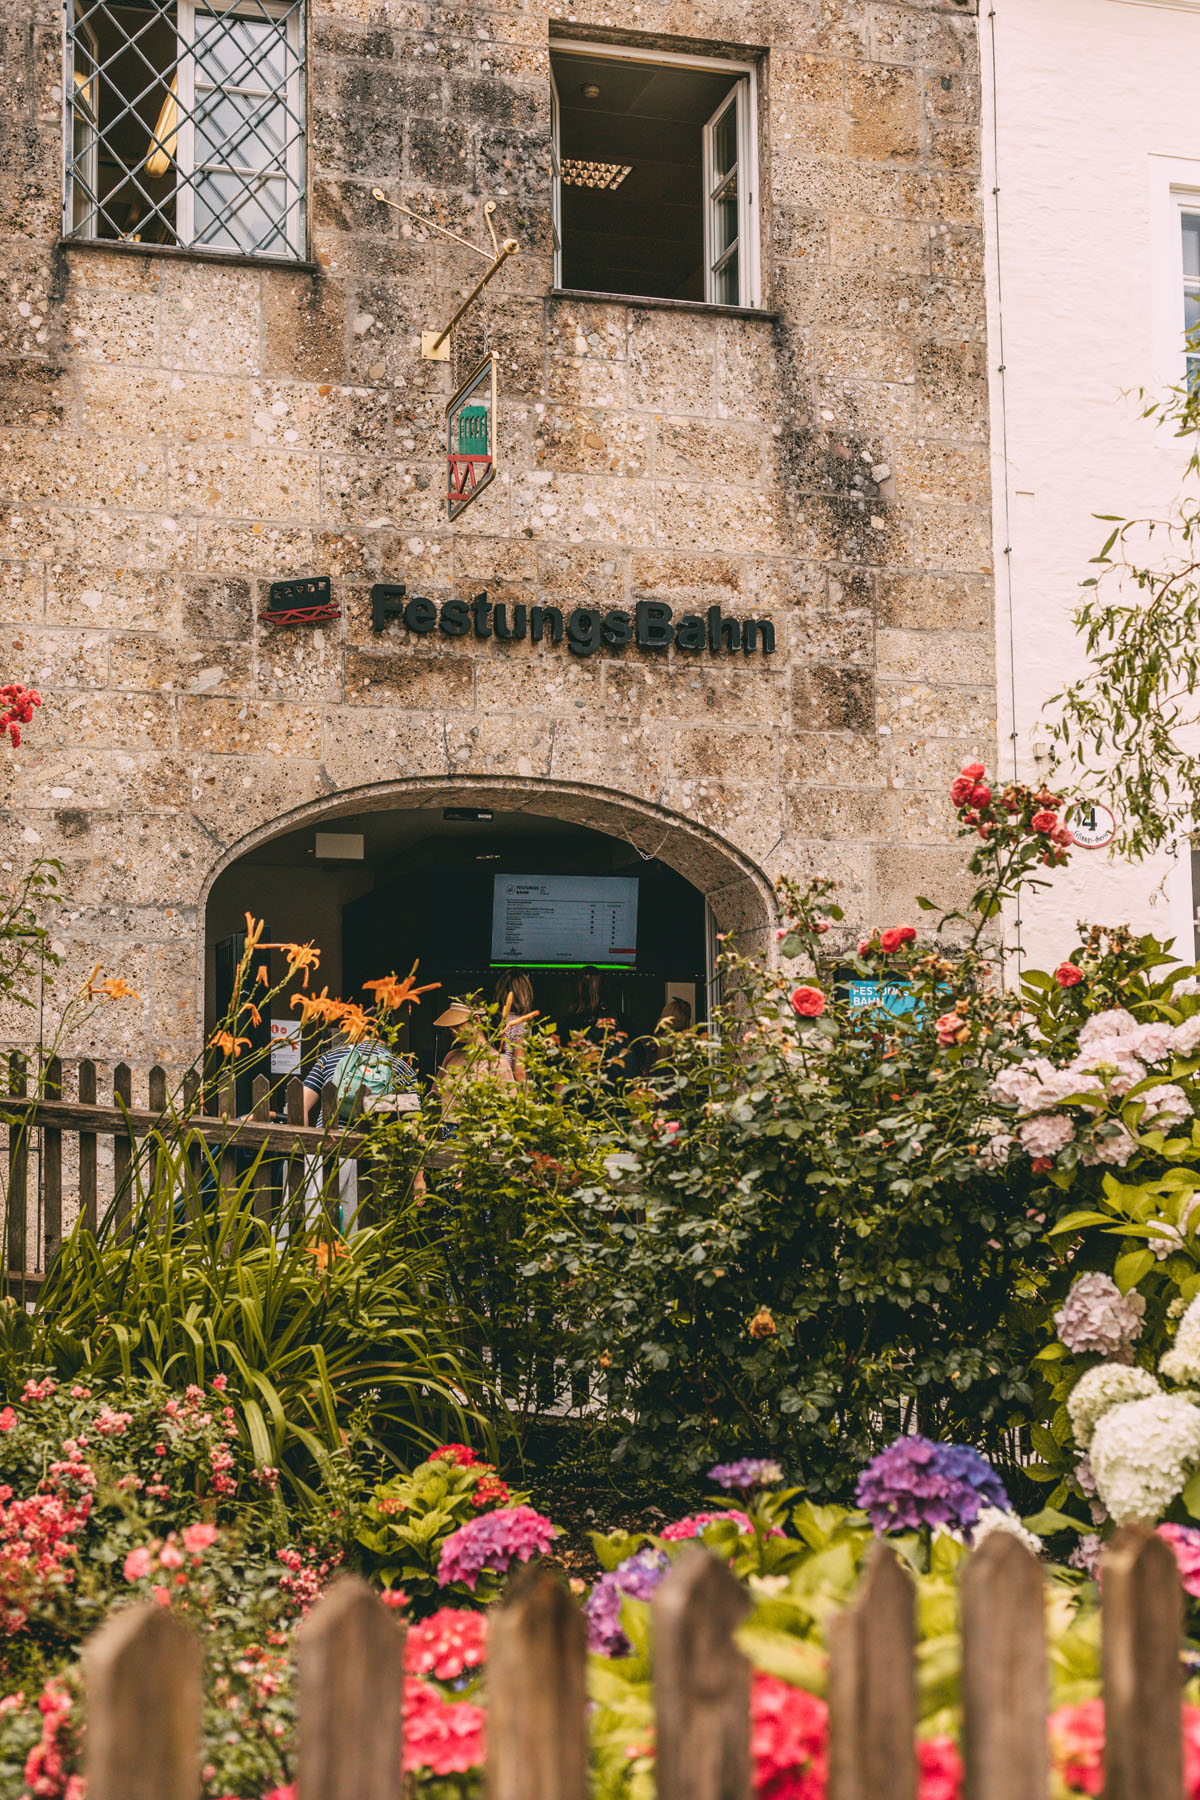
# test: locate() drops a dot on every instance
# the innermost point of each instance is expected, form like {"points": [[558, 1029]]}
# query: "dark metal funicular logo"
{"points": [[470, 437]]}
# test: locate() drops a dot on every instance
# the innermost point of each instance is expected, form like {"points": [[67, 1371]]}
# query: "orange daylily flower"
{"points": [[261, 975], [227, 1044], [299, 956], [115, 988], [390, 993], [354, 1021], [322, 1007], [254, 930], [255, 1015]]}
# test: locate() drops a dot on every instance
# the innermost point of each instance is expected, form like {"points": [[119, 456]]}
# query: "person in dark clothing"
{"points": [[603, 1023]]}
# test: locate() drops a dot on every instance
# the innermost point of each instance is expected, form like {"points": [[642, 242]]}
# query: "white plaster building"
{"points": [[1091, 164]]}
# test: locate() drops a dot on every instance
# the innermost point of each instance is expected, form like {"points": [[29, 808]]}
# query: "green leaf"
{"points": [[1191, 1496], [1129, 1268]]}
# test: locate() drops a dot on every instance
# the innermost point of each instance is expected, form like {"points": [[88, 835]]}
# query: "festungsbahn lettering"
{"points": [[649, 625]]}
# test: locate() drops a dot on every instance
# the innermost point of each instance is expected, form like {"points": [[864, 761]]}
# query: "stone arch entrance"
{"points": [[263, 871]]}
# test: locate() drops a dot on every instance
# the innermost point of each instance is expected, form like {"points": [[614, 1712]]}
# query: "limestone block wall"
{"points": [[175, 433]]}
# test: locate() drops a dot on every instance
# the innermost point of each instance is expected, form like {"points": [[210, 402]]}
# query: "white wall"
{"points": [[1095, 118]]}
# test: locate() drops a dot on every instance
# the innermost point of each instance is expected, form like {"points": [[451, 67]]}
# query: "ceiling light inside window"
{"points": [[594, 174]]}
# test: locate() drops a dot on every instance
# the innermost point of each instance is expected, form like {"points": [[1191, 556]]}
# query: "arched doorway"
{"points": [[469, 878]]}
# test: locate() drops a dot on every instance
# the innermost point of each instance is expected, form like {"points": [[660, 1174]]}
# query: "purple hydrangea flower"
{"points": [[748, 1472], [915, 1482], [637, 1576], [493, 1541]]}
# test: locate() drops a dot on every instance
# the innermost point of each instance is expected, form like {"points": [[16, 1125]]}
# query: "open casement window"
{"points": [[187, 124], [654, 175], [725, 195]]}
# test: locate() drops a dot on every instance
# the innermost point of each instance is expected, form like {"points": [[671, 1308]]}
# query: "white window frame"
{"points": [[294, 226], [1174, 190], [185, 202], [81, 31], [749, 214]]}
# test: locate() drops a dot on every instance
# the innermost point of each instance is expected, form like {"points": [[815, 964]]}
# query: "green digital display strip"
{"points": [[617, 968]]}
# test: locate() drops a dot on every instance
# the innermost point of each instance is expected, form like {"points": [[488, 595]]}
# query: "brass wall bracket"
{"points": [[435, 345]]}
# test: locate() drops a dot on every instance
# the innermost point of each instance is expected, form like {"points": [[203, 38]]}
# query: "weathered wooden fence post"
{"points": [[1142, 1621], [537, 1692], [701, 1683], [18, 1169], [144, 1699], [872, 1690], [1004, 1672], [350, 1695], [87, 1148], [52, 1169], [122, 1146]]}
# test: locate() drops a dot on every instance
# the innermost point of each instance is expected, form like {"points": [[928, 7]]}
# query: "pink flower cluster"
{"points": [[305, 1575], [494, 1541], [695, 1523], [444, 1737], [788, 1741], [447, 1643], [1096, 1317], [1185, 1542], [37, 1544], [46, 1776], [169, 1558]]}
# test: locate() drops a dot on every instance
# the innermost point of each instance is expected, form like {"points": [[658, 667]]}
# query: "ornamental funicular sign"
{"points": [[471, 438]]}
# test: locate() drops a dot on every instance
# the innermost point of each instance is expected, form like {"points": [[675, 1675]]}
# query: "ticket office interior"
{"points": [[379, 891]]}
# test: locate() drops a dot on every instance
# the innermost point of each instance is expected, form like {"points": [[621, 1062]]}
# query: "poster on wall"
{"points": [[285, 1046]]}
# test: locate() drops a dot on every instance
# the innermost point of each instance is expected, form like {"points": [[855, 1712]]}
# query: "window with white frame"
{"points": [[655, 180], [186, 124], [1189, 217]]}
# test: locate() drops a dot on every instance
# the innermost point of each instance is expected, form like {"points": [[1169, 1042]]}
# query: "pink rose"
{"points": [[864, 945], [1044, 821], [171, 1556], [974, 772], [981, 796], [1068, 975], [960, 789], [197, 1538], [137, 1563], [808, 1002], [8, 1419]]}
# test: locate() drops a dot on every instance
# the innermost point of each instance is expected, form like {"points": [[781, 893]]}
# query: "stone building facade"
{"points": [[182, 429]]}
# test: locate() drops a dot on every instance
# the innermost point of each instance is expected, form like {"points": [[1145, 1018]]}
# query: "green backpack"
{"points": [[365, 1066]]}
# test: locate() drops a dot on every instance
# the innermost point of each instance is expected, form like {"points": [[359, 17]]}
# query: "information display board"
{"points": [[565, 920]]}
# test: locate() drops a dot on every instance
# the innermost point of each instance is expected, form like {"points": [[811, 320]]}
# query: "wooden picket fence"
{"points": [[144, 1688], [37, 1202]]}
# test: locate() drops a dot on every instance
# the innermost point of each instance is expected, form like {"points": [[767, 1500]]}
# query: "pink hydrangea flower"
{"points": [[1097, 1317], [695, 1523], [494, 1541], [1185, 1542]]}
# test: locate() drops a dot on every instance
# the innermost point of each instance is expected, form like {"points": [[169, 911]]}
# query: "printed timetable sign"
{"points": [[565, 919]]}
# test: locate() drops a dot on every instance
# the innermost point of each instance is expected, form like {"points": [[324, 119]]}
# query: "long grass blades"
{"points": [[182, 1281]]}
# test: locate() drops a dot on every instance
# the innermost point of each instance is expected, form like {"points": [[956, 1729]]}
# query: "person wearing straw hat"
{"points": [[471, 1057]]}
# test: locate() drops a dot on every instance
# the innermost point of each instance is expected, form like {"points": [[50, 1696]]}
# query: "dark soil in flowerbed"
{"points": [[574, 1483]]}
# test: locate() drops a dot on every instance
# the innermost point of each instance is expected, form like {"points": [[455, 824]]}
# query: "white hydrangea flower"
{"points": [[1166, 1105], [1187, 1035], [998, 1518], [1171, 1236], [1111, 1146], [1182, 1360], [1046, 1133], [1109, 1384], [1153, 1042], [1142, 1455], [1115, 1023], [1121, 1067]]}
